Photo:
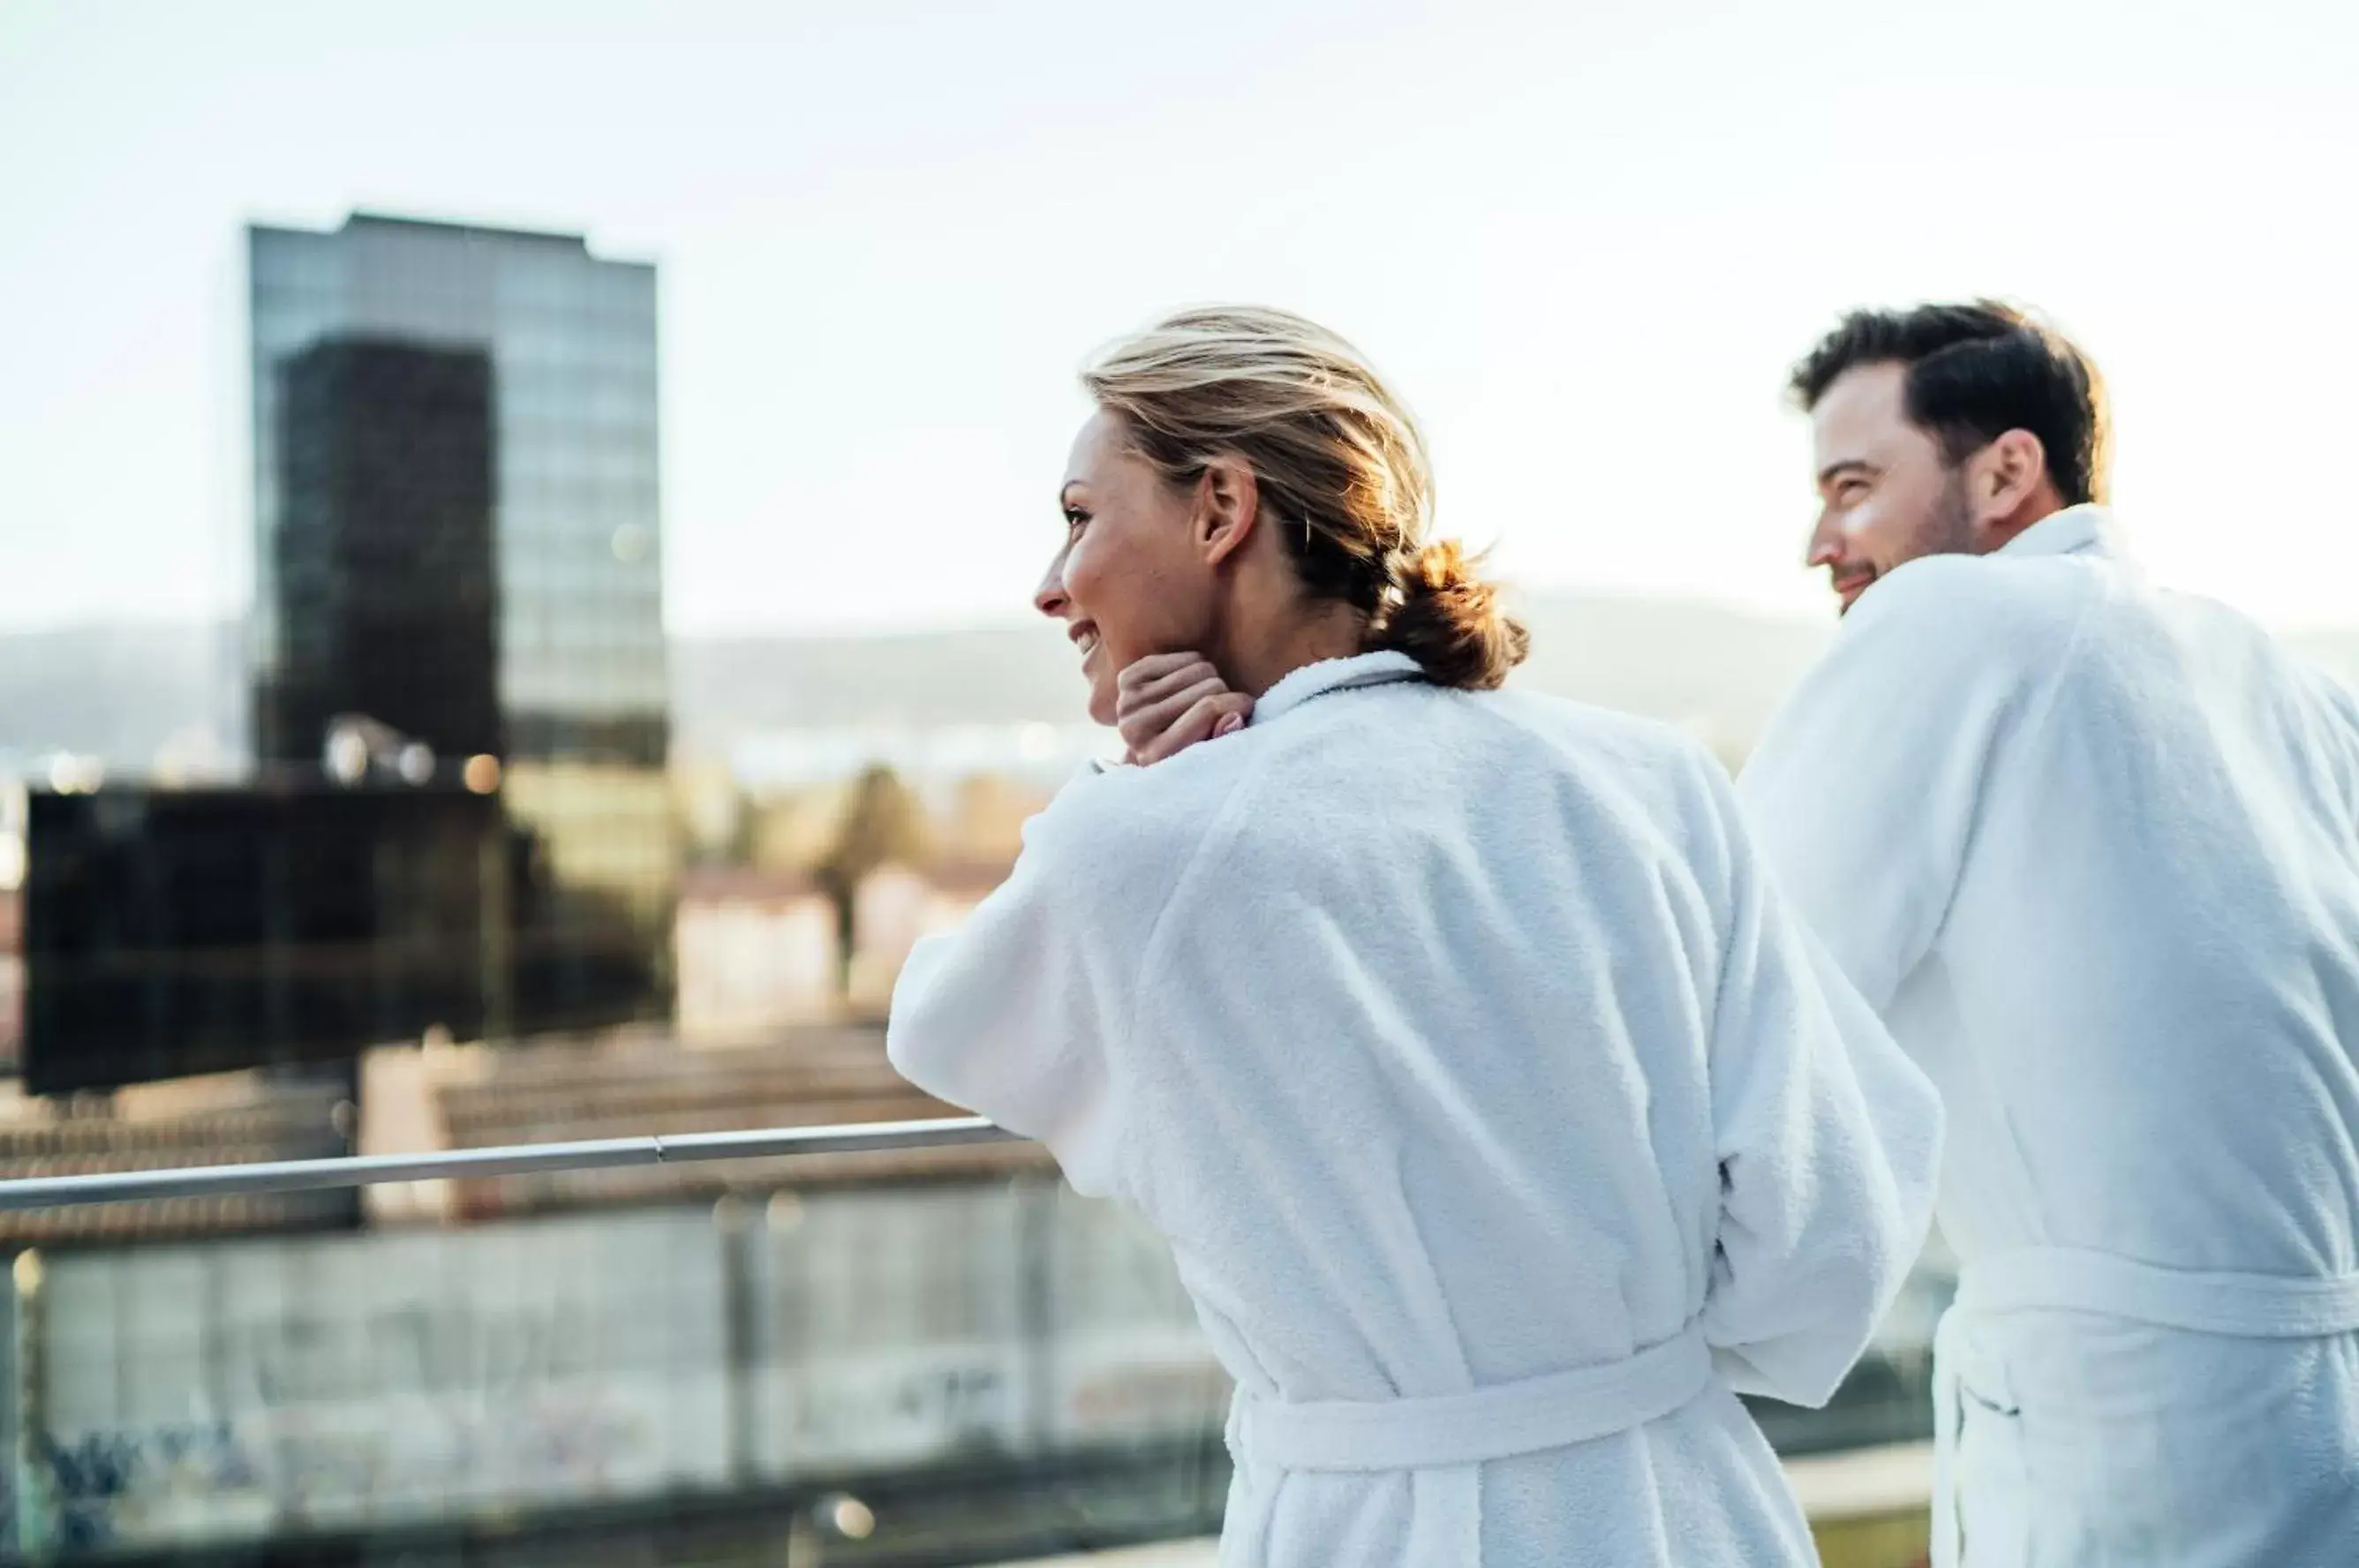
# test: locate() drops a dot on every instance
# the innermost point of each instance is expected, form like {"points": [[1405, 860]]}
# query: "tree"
{"points": [[884, 826]]}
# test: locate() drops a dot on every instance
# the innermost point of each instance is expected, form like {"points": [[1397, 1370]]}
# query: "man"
{"points": [[2092, 851]]}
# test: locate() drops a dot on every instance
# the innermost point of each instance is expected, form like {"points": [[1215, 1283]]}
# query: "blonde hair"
{"points": [[1340, 466]]}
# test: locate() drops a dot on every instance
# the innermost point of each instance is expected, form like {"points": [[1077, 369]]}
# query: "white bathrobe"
{"points": [[1501, 1119], [2092, 851]]}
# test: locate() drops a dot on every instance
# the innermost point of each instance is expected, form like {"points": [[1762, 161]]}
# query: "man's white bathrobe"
{"points": [[2092, 850], [1500, 1117]]}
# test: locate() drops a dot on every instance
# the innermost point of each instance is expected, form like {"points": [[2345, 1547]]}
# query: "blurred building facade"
{"points": [[457, 530], [174, 932], [897, 906], [754, 952], [383, 564]]}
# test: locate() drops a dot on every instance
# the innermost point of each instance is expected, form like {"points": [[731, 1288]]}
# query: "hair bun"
{"points": [[1449, 620]]}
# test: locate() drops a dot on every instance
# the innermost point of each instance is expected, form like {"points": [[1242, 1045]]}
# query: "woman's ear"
{"points": [[1228, 506]]}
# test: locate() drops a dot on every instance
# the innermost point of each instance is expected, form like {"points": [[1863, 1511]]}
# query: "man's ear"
{"points": [[2008, 473], [1228, 508]]}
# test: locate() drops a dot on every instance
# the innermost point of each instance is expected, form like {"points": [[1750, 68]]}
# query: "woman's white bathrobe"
{"points": [[1501, 1118], [2093, 849]]}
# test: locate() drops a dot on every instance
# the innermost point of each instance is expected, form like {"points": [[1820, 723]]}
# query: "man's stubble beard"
{"points": [[1950, 529]]}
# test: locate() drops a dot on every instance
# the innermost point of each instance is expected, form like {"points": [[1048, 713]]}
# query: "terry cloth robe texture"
{"points": [[1502, 1120], [2092, 851]]}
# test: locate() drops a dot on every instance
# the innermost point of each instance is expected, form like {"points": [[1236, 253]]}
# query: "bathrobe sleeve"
{"points": [[1021, 1013], [2340, 704], [1865, 786], [1829, 1141]]}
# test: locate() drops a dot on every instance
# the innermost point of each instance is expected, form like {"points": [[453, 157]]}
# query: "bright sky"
{"points": [[1585, 247]]}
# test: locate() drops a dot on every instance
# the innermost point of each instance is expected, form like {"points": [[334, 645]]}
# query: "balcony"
{"points": [[872, 1341]]}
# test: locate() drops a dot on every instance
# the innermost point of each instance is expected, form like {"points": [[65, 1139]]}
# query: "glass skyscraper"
{"points": [[456, 518], [387, 580]]}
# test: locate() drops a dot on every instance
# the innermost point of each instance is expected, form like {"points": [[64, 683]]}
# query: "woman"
{"points": [[1502, 1121]]}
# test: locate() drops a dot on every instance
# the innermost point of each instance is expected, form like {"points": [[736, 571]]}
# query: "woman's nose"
{"points": [[1049, 598]]}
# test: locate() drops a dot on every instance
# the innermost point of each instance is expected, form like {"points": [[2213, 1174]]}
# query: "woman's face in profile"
{"points": [[1127, 581]]}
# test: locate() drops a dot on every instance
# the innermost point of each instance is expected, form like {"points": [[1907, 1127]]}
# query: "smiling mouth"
{"points": [[1085, 637]]}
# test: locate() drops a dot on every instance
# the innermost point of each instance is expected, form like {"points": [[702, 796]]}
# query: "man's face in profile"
{"points": [[1886, 495]]}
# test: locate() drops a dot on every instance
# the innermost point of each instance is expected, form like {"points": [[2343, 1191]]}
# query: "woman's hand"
{"points": [[1166, 702]]}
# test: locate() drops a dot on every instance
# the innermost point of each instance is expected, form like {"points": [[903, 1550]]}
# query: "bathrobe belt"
{"points": [[1527, 1416]]}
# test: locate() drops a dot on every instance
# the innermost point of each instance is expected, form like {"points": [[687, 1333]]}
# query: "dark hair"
{"points": [[1975, 372]]}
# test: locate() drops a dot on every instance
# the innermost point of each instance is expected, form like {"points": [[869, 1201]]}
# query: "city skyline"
{"points": [[1586, 248]]}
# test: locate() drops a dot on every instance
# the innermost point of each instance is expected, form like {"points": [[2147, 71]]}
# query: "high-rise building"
{"points": [[456, 520], [388, 591], [177, 931]]}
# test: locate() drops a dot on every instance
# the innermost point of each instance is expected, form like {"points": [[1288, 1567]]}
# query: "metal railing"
{"points": [[312, 1175], [1866, 1505]]}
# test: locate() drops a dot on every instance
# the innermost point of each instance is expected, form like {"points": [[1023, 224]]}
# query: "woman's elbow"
{"points": [[921, 1036], [1804, 1366]]}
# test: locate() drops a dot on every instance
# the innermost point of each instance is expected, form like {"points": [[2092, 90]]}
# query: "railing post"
{"points": [[1038, 1307], [738, 1310], [35, 1480]]}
